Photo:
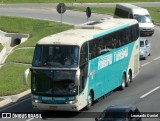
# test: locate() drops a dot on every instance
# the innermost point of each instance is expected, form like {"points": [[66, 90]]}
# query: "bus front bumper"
{"points": [[55, 107]]}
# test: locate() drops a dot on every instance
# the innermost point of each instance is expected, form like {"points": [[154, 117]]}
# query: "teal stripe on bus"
{"points": [[110, 31]]}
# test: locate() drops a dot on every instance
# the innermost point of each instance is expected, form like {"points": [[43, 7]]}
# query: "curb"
{"points": [[13, 98], [5, 102], [157, 24]]}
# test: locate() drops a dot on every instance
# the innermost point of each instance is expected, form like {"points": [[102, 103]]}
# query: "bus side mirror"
{"points": [[77, 77], [25, 75]]}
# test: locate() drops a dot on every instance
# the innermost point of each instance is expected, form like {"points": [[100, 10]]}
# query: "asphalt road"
{"points": [[144, 92], [48, 13]]}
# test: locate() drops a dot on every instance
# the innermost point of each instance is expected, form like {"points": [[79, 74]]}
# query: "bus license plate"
{"points": [[52, 107]]}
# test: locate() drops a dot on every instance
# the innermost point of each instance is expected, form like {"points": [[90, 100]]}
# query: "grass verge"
{"points": [[37, 29], [11, 79], [22, 56], [71, 1], [11, 75], [155, 13]]}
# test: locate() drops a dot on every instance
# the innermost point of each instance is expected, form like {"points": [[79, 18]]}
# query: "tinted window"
{"points": [[131, 16], [111, 41], [83, 54], [92, 49], [121, 13], [56, 56]]}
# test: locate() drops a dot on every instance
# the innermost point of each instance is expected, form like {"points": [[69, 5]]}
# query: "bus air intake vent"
{"points": [[88, 25]]}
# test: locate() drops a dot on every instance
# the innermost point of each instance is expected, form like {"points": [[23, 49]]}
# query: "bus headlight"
{"points": [[37, 101], [72, 102]]}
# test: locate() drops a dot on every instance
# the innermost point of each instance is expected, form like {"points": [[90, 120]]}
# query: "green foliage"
{"points": [[31, 1], [11, 79], [37, 29], [21, 56], [71, 1], [11, 75], [155, 13]]}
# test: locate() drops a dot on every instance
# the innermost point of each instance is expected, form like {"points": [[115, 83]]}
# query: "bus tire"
{"points": [[128, 81], [123, 85], [130, 76], [90, 101]]}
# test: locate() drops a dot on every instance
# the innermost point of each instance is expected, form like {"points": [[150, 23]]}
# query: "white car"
{"points": [[145, 48]]}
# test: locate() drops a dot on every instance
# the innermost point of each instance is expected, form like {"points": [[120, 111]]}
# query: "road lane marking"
{"points": [[146, 63], [146, 94], [157, 58], [14, 104]]}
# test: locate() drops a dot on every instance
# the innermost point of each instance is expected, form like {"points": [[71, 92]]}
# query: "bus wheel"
{"points": [[90, 101], [129, 79], [130, 76], [123, 85]]}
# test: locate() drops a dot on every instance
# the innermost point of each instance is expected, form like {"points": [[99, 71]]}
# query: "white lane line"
{"points": [[14, 104], [30, 119], [157, 58], [146, 63], [150, 92]]}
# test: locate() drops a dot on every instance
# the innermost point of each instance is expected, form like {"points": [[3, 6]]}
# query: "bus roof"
{"points": [[87, 31]]}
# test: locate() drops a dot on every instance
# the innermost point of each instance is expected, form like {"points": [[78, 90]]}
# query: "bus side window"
{"points": [[107, 43], [83, 54], [131, 16], [92, 49], [83, 65]]}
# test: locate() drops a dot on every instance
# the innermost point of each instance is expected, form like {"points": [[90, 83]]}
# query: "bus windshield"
{"points": [[58, 56], [143, 18]]}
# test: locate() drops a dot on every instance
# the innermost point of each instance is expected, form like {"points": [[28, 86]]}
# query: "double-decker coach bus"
{"points": [[72, 69]]}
